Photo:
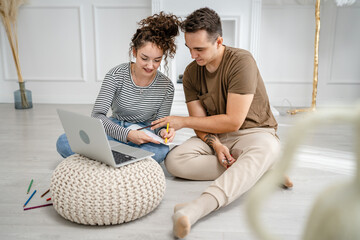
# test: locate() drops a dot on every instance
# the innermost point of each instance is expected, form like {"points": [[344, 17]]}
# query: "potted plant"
{"points": [[8, 12]]}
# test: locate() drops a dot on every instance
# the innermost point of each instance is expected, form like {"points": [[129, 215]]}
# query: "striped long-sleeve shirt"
{"points": [[130, 102]]}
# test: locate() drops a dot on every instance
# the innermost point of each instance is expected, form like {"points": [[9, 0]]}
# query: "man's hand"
{"points": [[169, 135], [175, 122], [223, 155], [222, 152], [139, 137]]}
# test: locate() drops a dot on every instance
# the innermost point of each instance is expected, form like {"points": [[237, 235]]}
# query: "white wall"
{"points": [[286, 54], [67, 46]]}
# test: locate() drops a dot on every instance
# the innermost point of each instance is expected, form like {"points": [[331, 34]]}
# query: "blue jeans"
{"points": [[160, 150]]}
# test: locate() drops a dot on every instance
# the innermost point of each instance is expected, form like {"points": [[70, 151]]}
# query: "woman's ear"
{"points": [[134, 52]]}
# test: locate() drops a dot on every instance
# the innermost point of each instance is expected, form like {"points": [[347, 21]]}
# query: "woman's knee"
{"points": [[63, 147], [61, 141], [160, 150]]}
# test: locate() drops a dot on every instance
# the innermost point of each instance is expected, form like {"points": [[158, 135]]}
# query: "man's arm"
{"points": [[197, 110], [222, 152], [236, 110]]}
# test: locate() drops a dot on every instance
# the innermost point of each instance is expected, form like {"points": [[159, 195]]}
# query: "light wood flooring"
{"points": [[27, 147]]}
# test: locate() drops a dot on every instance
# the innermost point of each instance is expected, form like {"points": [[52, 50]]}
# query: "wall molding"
{"points": [[294, 5], [276, 7], [96, 7], [289, 2], [86, 58], [329, 71], [255, 27], [289, 83], [156, 6], [238, 29], [49, 79]]}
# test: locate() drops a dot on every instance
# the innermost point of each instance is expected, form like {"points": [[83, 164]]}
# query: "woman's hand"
{"points": [[169, 135], [139, 137], [223, 155], [175, 122]]}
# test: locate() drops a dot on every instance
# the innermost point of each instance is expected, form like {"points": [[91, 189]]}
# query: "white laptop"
{"points": [[86, 136]]}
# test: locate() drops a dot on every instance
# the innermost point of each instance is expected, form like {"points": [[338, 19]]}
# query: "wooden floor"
{"points": [[27, 147]]}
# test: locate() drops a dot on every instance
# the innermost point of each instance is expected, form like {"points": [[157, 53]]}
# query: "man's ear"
{"points": [[219, 41]]}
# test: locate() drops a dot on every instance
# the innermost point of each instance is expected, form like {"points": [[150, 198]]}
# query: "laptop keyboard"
{"points": [[121, 158]]}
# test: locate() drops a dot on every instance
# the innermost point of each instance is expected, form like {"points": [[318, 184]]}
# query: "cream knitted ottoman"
{"points": [[93, 193]]}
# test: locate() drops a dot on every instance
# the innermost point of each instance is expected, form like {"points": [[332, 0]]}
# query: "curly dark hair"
{"points": [[203, 19], [160, 29]]}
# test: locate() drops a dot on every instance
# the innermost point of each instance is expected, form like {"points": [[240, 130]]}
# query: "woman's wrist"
{"points": [[130, 135]]}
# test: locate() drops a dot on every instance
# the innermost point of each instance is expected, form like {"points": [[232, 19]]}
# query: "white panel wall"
{"points": [[45, 41], [286, 55], [67, 46], [114, 27]]}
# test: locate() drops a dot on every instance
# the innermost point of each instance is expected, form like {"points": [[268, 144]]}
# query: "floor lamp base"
{"points": [[295, 111]]}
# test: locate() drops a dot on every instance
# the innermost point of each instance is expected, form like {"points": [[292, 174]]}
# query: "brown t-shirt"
{"points": [[237, 73]]}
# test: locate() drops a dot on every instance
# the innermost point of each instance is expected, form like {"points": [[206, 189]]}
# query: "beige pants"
{"points": [[255, 150]]}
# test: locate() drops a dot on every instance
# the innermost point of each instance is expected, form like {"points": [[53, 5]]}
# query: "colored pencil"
{"points": [[45, 205], [48, 199], [167, 130], [30, 197], [45, 193], [29, 186]]}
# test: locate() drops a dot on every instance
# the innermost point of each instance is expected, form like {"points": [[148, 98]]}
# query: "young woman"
{"points": [[136, 91]]}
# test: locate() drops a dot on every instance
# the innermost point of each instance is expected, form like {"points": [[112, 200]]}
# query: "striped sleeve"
{"points": [[102, 105], [131, 103]]}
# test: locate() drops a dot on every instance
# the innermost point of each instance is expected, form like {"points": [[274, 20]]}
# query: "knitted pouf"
{"points": [[92, 193]]}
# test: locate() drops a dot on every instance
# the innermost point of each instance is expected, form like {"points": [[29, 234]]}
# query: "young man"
{"points": [[229, 110]]}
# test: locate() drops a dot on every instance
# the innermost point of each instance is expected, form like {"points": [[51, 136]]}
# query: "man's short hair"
{"points": [[203, 19]]}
